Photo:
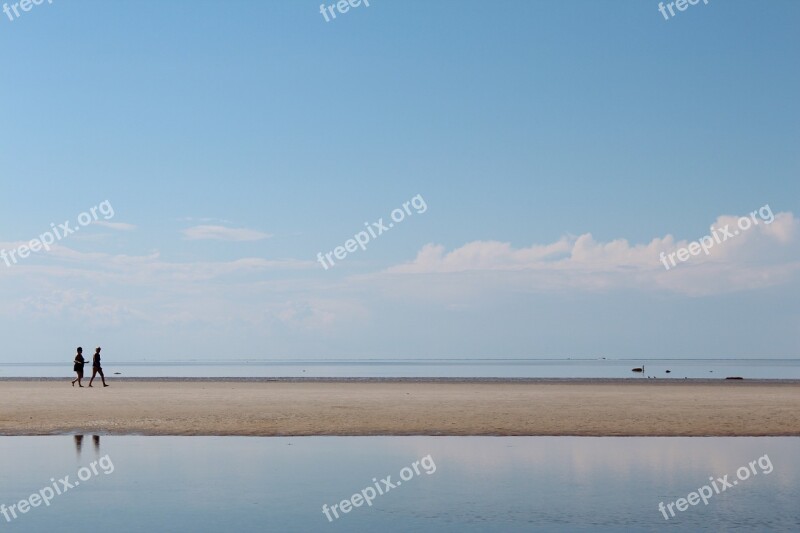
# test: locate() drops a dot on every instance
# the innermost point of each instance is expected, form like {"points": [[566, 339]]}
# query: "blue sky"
{"points": [[269, 135]]}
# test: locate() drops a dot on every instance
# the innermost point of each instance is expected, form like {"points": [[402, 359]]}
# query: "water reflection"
{"points": [[79, 444], [480, 483]]}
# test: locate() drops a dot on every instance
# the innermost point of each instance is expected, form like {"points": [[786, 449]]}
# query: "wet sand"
{"points": [[390, 407]]}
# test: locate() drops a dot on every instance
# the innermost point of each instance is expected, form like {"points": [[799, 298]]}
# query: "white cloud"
{"points": [[292, 296], [223, 233], [764, 255]]}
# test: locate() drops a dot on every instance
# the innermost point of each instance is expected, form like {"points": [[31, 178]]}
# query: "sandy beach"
{"points": [[267, 408]]}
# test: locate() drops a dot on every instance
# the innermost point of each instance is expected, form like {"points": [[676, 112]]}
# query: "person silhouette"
{"points": [[78, 367], [96, 368]]}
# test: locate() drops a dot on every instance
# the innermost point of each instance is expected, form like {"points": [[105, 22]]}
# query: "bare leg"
{"points": [[94, 373], [102, 376]]}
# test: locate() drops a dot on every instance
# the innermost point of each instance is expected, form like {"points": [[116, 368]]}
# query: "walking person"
{"points": [[96, 368], [78, 367]]}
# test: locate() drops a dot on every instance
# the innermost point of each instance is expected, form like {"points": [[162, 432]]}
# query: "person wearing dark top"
{"points": [[78, 367], [96, 368]]}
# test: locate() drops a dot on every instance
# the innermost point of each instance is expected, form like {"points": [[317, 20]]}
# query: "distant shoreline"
{"points": [[435, 369], [242, 379], [313, 406]]}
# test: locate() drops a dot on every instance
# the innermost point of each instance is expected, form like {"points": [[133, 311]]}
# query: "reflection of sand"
{"points": [[401, 408]]}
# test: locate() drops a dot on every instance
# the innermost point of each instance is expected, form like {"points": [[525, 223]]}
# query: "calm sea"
{"points": [[432, 368], [460, 484]]}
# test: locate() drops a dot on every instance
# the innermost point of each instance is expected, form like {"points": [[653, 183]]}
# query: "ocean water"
{"points": [[432, 368], [438, 484]]}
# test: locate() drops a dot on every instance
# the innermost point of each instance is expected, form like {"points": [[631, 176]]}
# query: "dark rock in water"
{"points": [[734, 377], [117, 373], [668, 371]]}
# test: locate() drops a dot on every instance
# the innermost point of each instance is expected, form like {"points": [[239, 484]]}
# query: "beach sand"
{"points": [[564, 407]]}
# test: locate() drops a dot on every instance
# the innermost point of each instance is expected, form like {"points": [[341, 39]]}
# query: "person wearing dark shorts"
{"points": [[78, 367], [96, 368]]}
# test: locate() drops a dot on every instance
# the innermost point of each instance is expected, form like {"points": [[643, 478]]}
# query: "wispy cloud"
{"points": [[119, 226], [223, 233], [107, 289], [205, 220]]}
